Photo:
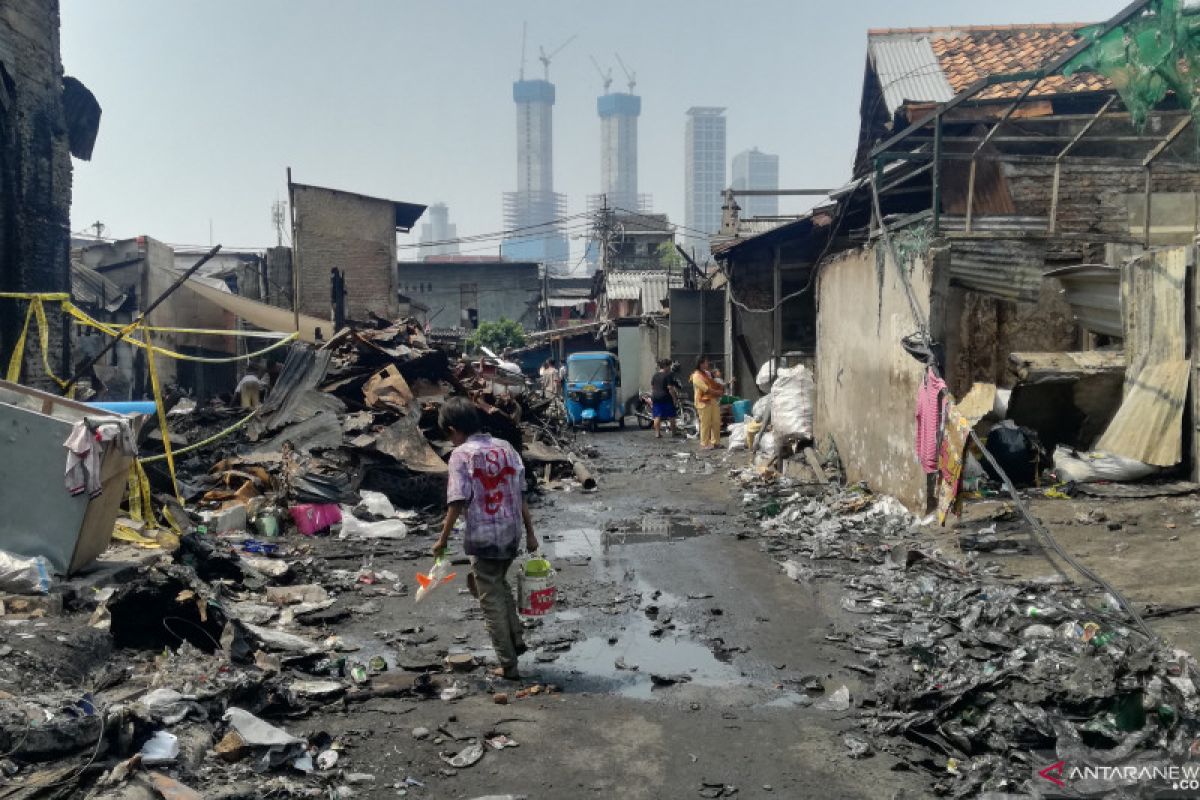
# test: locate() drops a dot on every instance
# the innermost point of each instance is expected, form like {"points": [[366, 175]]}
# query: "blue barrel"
{"points": [[742, 409], [128, 406]]}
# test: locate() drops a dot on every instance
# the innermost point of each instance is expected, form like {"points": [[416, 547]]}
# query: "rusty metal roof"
{"points": [[904, 59]]}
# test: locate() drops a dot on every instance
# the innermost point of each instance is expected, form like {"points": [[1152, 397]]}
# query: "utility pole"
{"points": [[295, 254]]}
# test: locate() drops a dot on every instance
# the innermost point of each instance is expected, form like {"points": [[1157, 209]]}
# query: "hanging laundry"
{"points": [[950, 462], [929, 420], [85, 452]]}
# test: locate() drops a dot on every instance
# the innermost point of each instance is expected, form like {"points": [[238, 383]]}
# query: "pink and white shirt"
{"points": [[488, 474]]}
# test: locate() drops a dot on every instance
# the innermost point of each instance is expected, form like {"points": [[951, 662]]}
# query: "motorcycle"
{"points": [[687, 420]]}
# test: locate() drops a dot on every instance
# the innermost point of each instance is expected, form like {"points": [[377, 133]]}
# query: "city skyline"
{"points": [[425, 123]]}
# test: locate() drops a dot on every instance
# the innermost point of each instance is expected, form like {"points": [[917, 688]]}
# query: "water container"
{"points": [[741, 408]]}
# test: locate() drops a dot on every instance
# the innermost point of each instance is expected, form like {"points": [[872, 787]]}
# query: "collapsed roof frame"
{"points": [[892, 148]]}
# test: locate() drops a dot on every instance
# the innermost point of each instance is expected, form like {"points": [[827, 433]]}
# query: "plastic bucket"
{"points": [[535, 588], [741, 408]]}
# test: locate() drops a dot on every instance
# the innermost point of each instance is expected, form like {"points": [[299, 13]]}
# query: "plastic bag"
{"points": [[438, 574], [761, 408], [792, 403], [737, 436], [767, 374], [311, 518], [355, 528], [24, 575], [1079, 467], [376, 503]]}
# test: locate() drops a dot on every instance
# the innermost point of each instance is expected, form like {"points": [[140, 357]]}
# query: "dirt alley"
{"points": [[652, 574]]}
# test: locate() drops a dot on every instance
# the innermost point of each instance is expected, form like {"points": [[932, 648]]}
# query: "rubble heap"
{"points": [[987, 680]]}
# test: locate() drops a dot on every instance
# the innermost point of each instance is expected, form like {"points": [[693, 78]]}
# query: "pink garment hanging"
{"points": [[929, 420]]}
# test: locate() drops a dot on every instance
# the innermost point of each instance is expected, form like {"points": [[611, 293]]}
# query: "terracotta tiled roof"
{"points": [[968, 53]]}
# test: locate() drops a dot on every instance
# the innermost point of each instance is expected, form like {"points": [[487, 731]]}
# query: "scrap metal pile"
{"points": [[197, 657], [986, 680], [360, 413]]}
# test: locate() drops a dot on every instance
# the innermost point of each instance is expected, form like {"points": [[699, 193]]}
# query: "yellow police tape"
{"points": [[111, 330], [162, 412], [197, 445], [37, 311], [140, 505]]}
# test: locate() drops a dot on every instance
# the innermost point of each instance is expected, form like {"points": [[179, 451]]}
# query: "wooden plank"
{"points": [[814, 464], [1033, 367]]}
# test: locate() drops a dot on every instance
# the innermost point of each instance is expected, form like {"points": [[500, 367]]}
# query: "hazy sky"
{"points": [[206, 103]]}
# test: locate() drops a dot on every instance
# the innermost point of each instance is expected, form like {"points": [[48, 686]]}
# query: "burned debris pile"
{"points": [[979, 679], [194, 653]]}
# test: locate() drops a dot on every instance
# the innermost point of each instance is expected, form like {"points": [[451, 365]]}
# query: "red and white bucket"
{"points": [[535, 588]]}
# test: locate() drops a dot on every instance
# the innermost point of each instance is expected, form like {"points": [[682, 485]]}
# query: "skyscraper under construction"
{"points": [[532, 211]]}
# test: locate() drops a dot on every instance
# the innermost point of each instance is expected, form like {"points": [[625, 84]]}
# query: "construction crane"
{"points": [[545, 59], [604, 76], [524, 29], [630, 76]]}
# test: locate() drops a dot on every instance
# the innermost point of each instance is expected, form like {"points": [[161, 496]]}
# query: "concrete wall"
{"points": [[866, 383], [353, 233], [501, 290], [35, 173]]}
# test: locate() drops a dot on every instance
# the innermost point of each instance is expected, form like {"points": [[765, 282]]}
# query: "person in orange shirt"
{"points": [[708, 404]]}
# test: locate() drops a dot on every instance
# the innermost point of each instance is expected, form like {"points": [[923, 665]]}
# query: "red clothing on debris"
{"points": [[929, 420]]}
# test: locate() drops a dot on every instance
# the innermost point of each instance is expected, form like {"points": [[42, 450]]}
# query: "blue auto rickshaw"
{"points": [[591, 390]]}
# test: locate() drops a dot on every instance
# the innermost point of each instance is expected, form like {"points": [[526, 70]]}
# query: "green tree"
{"points": [[668, 257], [497, 336]]}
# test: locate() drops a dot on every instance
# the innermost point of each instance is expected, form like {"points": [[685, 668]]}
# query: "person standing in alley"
{"points": [[664, 397], [486, 483], [549, 379], [708, 399]]}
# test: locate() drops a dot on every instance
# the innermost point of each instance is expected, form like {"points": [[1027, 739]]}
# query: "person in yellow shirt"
{"points": [[708, 404]]}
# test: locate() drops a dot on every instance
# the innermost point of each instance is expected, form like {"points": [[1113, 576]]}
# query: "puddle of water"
{"points": [[573, 543], [590, 665], [653, 528]]}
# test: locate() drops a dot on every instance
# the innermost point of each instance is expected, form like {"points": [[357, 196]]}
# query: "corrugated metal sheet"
{"points": [[1094, 294], [1149, 424], [1004, 267], [908, 69], [649, 286], [90, 288]]}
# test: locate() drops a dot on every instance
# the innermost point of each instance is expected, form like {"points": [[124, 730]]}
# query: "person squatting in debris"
{"points": [[664, 397], [485, 489], [250, 389], [708, 404]]}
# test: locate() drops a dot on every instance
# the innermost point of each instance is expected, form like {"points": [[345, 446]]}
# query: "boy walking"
{"points": [[486, 485]]}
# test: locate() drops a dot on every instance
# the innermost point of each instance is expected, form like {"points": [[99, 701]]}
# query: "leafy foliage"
{"points": [[497, 336]]}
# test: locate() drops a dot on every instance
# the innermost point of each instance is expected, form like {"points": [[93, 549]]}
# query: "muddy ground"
{"points": [[656, 574], [686, 662]]}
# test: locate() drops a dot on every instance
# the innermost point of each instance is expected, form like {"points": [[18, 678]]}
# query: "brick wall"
{"points": [[353, 233], [1092, 199], [35, 171]]}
